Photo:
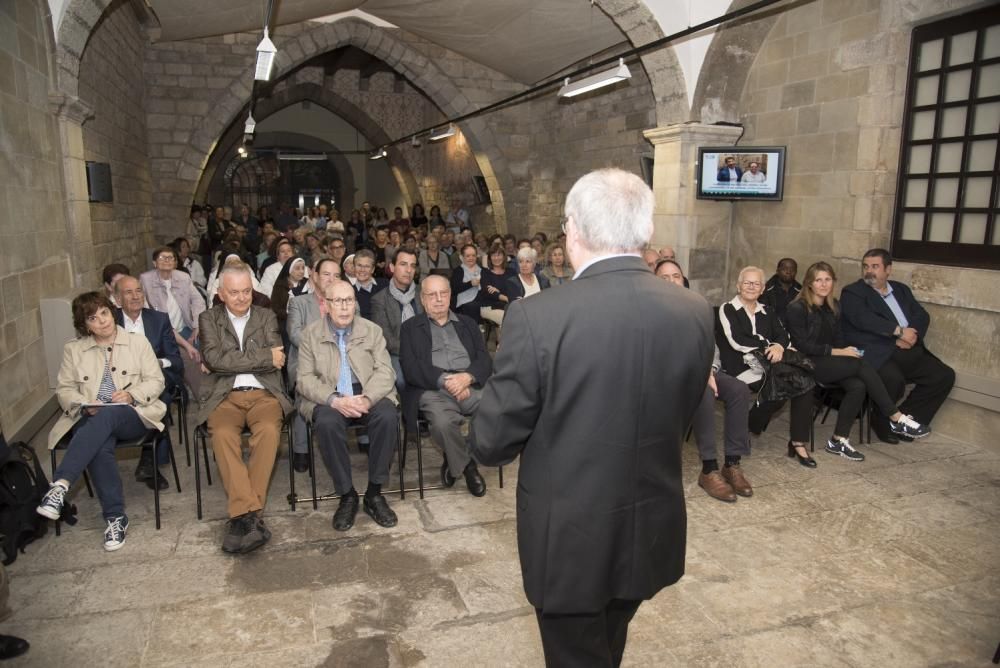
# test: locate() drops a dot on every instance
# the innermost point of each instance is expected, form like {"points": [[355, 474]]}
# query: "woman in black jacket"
{"points": [[744, 326], [813, 320]]}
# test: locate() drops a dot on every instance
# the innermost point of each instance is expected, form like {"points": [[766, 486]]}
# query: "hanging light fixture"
{"points": [[378, 154], [596, 81], [266, 52], [415, 143], [251, 124], [442, 133]]}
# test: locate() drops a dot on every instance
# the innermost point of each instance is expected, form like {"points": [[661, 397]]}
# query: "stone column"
{"points": [[71, 113], [698, 230]]}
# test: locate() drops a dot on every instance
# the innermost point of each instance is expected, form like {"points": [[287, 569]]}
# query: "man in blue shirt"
{"points": [[883, 318]]}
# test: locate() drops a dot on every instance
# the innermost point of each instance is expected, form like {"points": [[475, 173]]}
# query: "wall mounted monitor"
{"points": [[736, 173]]}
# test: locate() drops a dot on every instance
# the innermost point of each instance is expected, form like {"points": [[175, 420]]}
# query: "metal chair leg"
{"points": [[400, 446], [197, 469], [420, 466], [500, 473], [204, 450], [173, 465], [291, 475], [312, 465]]}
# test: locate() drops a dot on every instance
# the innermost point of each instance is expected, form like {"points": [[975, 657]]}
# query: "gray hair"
{"points": [[234, 269], [612, 211], [527, 253], [750, 270]]}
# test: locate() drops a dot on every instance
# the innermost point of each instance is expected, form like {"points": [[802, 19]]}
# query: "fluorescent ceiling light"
{"points": [[251, 124], [266, 52], [378, 154], [596, 81], [302, 156], [442, 133]]}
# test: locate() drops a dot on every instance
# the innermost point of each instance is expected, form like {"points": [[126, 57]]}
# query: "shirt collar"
{"points": [[233, 316], [129, 321], [594, 260], [451, 318], [737, 304]]}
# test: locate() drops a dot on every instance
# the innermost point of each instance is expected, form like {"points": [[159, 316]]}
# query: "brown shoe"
{"points": [[734, 476], [716, 487]]}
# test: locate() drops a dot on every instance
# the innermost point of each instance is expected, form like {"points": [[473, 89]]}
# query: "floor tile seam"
{"points": [[481, 617], [149, 636]]}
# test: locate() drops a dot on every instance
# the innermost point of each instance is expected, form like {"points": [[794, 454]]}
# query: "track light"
{"points": [[302, 156], [251, 124], [266, 52], [596, 81], [442, 133], [378, 154], [242, 150], [415, 143]]}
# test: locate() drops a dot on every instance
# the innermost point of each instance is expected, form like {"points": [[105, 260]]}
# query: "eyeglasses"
{"points": [[369, 267], [169, 258], [342, 301], [751, 284]]}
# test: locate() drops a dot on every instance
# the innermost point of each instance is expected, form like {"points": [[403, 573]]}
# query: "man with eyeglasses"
{"points": [[366, 284], [443, 354], [344, 378]]}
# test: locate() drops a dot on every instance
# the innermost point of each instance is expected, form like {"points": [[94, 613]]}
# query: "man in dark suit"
{"points": [[241, 347], [155, 326], [443, 355], [397, 304], [595, 385], [883, 318], [730, 172]]}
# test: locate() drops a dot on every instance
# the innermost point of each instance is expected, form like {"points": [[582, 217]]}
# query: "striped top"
{"points": [[107, 387]]}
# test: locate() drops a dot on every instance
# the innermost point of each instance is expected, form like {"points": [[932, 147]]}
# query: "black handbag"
{"points": [[790, 377]]}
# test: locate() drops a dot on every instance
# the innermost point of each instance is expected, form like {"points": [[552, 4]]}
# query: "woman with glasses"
{"points": [[745, 326], [171, 291]]}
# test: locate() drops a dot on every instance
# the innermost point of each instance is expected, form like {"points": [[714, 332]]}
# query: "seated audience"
{"points": [[366, 284], [282, 252], [557, 270], [171, 291], [304, 310], [782, 288], [813, 320], [526, 282], [336, 248], [336, 393], [155, 326], [735, 395], [433, 260], [443, 354], [417, 217], [292, 281], [264, 258], [242, 350], [104, 365], [397, 304], [493, 285], [188, 262], [214, 281], [745, 325], [465, 280], [883, 318]]}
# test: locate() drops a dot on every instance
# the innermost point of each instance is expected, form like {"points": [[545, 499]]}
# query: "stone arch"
{"points": [[728, 62], [78, 23], [330, 101], [423, 73], [635, 19]]}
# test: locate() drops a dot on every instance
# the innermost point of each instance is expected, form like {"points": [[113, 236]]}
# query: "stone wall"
{"points": [[829, 82], [111, 83], [34, 263]]}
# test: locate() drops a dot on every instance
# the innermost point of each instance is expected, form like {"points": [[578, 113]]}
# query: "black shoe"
{"points": [[447, 479], [144, 471], [908, 429], [160, 480], [474, 481], [343, 519], [257, 534], [11, 646], [377, 508], [300, 461], [236, 529], [806, 461], [886, 437]]}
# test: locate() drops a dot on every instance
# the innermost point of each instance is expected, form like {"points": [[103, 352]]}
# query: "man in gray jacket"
{"points": [[397, 304]]}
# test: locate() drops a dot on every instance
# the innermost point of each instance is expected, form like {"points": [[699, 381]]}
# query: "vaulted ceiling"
{"points": [[527, 40]]}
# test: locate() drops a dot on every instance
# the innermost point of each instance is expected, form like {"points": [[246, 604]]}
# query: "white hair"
{"points": [[234, 269], [612, 211], [527, 253], [750, 270]]}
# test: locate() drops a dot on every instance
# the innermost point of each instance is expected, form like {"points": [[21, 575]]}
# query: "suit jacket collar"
{"points": [[616, 263]]}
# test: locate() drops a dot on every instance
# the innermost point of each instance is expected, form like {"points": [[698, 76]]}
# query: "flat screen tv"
{"points": [[745, 172]]}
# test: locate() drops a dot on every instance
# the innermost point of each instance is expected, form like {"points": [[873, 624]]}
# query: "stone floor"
{"points": [[891, 562]]}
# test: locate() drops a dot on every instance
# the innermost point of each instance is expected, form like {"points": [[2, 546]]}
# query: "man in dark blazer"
{"points": [[155, 326], [397, 303], [443, 355], [242, 349], [883, 318], [730, 172], [595, 385]]}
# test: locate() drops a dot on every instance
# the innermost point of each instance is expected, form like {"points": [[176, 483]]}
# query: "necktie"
{"points": [[344, 386]]}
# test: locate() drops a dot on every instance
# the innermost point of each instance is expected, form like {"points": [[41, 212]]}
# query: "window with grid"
{"points": [[947, 195]]}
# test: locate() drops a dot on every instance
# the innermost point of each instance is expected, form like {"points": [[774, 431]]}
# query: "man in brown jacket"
{"points": [[345, 377], [241, 347]]}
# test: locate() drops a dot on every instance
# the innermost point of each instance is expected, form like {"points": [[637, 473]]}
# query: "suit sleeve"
{"points": [[223, 359], [511, 401], [380, 317], [296, 321], [854, 310]]}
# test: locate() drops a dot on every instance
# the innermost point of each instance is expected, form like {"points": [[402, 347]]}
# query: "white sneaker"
{"points": [[114, 535], [907, 426], [52, 503]]}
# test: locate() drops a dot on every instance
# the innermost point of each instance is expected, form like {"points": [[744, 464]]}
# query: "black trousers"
{"points": [[933, 380], [856, 378], [800, 415], [331, 435], [594, 639]]}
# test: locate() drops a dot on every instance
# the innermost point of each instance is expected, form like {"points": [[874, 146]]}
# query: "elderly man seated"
{"points": [[345, 377], [241, 348], [443, 354]]}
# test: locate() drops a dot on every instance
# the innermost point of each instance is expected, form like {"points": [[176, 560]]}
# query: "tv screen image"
{"points": [[741, 173]]}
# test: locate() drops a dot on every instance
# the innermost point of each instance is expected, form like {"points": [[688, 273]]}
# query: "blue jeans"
{"points": [[92, 447]]}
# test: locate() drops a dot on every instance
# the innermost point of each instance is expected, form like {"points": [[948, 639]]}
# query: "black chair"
{"points": [[180, 400], [201, 436], [421, 424], [149, 439], [293, 497]]}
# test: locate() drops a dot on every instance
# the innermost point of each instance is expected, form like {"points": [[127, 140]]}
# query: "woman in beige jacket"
{"points": [[105, 365]]}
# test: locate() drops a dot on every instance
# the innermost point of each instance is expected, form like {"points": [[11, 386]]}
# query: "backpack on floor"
{"points": [[22, 485]]}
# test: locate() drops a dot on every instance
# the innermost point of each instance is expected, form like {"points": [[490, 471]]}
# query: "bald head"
{"points": [[667, 253], [128, 292], [650, 256]]}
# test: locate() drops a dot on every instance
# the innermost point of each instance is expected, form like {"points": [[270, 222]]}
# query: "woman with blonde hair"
{"points": [[557, 269]]}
